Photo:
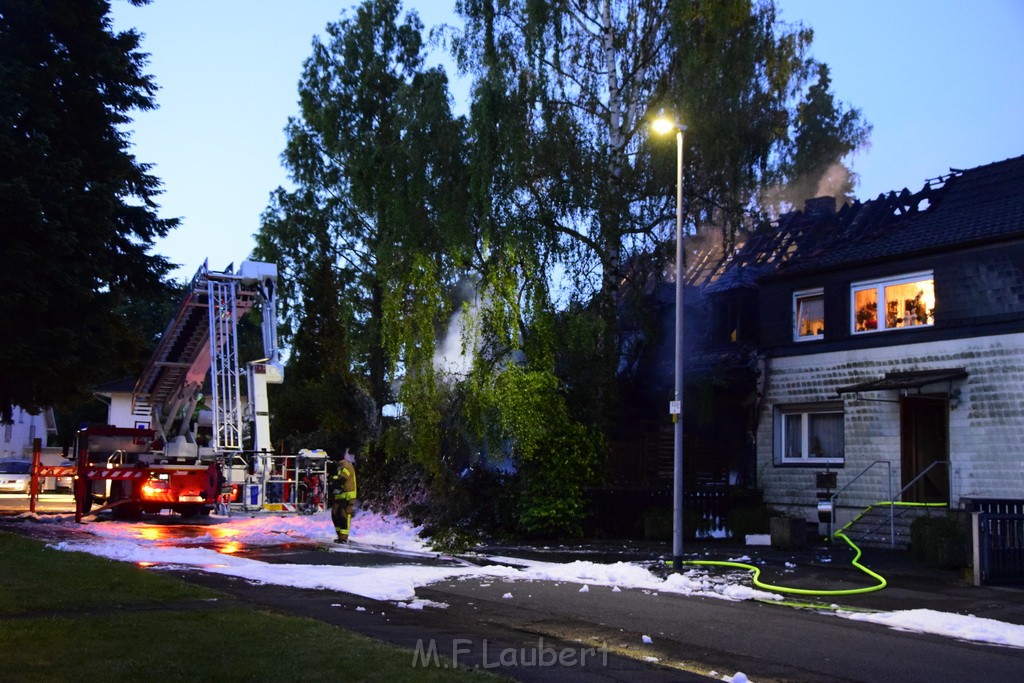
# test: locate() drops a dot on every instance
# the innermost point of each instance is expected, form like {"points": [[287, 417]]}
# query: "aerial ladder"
{"points": [[201, 340], [158, 464]]}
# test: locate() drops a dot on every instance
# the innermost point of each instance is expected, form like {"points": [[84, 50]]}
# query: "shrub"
{"points": [[939, 541]]}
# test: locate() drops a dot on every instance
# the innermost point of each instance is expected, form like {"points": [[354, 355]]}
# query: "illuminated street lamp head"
{"points": [[662, 125]]}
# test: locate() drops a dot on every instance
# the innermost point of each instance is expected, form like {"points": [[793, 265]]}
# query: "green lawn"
{"points": [[76, 617]]}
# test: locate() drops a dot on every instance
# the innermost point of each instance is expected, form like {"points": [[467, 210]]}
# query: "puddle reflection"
{"points": [[229, 547], [214, 537]]}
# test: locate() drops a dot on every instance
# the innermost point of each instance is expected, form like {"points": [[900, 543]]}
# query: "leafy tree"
{"points": [[323, 404], [825, 134], [77, 210], [579, 77], [143, 317], [571, 197], [376, 219], [735, 75], [556, 456], [758, 137], [552, 202], [564, 95]]}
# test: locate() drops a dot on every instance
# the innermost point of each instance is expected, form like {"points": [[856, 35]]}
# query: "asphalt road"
{"points": [[688, 634], [553, 631], [49, 503], [511, 640]]}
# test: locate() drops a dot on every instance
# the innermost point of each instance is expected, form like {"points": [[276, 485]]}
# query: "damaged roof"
{"points": [[978, 205]]}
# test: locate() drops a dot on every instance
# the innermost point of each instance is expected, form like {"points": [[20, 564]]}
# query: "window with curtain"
{"points": [[809, 434], [809, 313]]}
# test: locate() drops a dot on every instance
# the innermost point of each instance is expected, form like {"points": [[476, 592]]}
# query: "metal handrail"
{"points": [[925, 471], [834, 496], [892, 499]]}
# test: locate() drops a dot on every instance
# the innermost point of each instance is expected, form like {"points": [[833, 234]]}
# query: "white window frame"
{"points": [[805, 410], [797, 297], [879, 285]]}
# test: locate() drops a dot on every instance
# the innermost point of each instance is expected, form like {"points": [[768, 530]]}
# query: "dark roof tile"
{"points": [[979, 204]]}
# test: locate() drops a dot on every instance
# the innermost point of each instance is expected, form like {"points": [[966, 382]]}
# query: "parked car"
{"points": [[15, 476], [65, 484]]}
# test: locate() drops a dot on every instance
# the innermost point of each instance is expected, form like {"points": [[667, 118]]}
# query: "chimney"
{"points": [[820, 206]]}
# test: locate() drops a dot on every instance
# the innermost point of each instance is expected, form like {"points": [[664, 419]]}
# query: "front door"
{"points": [[924, 425]]}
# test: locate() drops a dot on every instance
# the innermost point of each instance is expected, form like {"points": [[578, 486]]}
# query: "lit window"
{"points": [[809, 434], [809, 311], [907, 301]]}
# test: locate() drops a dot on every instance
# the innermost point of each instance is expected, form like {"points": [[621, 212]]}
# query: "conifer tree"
{"points": [[77, 211]]}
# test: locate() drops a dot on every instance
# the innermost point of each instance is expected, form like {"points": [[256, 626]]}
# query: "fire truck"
{"points": [[159, 463]]}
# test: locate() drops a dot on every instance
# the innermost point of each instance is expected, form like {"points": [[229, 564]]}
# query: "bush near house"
{"points": [[749, 515], [940, 541]]}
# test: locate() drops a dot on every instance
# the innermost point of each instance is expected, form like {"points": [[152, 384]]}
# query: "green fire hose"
{"points": [[881, 582]]}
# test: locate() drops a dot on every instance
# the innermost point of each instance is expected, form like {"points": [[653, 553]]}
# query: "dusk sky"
{"points": [[939, 80]]}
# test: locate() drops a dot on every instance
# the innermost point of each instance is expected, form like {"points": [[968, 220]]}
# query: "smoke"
{"points": [[836, 181], [450, 355], [454, 352]]}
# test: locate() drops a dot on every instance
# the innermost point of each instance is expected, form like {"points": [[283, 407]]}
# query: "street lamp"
{"points": [[663, 125]]}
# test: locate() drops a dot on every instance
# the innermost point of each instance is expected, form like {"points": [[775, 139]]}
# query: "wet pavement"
{"points": [[644, 635], [346, 555], [690, 635], [47, 503], [821, 566]]}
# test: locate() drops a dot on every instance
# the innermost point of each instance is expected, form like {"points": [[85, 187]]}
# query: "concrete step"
{"points": [[873, 529]]}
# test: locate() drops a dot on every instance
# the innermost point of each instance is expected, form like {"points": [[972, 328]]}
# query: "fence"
{"points": [[647, 513], [998, 541]]}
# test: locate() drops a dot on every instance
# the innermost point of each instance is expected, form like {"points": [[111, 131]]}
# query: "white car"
{"points": [[15, 476], [65, 483]]}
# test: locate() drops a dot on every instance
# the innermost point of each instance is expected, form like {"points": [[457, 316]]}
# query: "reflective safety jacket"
{"points": [[343, 482]]}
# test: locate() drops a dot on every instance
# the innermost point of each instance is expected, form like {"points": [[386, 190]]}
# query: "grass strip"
{"points": [[34, 578], [59, 621]]}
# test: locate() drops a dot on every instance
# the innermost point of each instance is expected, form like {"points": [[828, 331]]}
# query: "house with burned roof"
{"points": [[880, 343], [891, 345]]}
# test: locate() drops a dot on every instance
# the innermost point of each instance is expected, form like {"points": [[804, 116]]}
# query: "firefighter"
{"points": [[343, 496]]}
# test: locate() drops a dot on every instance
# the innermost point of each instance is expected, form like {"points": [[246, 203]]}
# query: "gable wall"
{"points": [[996, 291], [986, 439], [119, 412]]}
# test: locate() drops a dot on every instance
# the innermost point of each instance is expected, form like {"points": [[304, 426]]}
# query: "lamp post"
{"points": [[663, 126]]}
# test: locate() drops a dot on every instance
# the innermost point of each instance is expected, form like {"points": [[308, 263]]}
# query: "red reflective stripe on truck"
{"points": [[115, 474]]}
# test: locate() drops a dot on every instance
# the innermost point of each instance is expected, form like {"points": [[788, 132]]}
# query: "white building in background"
{"points": [[17, 435]]}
